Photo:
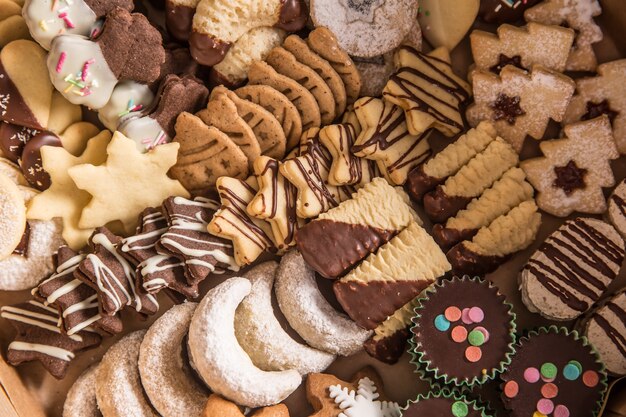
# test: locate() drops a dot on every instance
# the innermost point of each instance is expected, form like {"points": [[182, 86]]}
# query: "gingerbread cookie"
{"points": [[571, 174], [205, 155], [579, 16], [430, 94], [520, 103], [617, 208], [385, 139], [417, 263], [599, 95], [446, 22]]}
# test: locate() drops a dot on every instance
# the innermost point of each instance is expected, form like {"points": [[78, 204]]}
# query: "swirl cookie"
{"points": [[167, 379], [219, 358], [261, 335], [572, 269], [308, 312], [118, 383], [81, 398]]}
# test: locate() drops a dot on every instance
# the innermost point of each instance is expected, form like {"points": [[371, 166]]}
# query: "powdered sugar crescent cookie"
{"points": [[81, 398], [166, 377], [261, 335], [366, 29], [13, 220], [118, 384], [308, 312], [219, 358]]}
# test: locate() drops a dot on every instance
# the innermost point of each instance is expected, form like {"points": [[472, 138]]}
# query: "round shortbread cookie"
{"points": [[81, 398], [605, 329], [617, 208], [13, 219]]}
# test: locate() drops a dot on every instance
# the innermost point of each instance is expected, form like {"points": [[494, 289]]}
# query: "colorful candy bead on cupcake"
{"points": [[554, 373], [463, 332], [444, 404]]}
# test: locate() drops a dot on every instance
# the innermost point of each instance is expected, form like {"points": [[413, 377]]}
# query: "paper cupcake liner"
{"points": [[473, 405], [424, 366]]}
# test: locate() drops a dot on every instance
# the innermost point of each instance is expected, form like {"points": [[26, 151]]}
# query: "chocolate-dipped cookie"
{"points": [[464, 332], [504, 11]]}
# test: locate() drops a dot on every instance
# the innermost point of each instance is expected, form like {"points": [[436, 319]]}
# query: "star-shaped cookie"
{"points": [[128, 182], [63, 199]]}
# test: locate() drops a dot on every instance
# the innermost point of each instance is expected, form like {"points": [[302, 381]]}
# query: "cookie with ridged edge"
{"points": [[443, 403], [463, 332]]}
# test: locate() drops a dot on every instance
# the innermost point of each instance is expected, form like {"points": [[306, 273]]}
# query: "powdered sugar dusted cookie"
{"points": [[519, 103], [13, 216], [310, 314], [572, 269], [571, 174], [617, 208], [605, 329], [600, 95], [81, 398], [577, 15]]}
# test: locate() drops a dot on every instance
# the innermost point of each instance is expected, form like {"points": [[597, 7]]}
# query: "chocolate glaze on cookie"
{"points": [[178, 19], [388, 349], [13, 108], [465, 261], [31, 163], [439, 206], [206, 49], [504, 11], [448, 237], [419, 183], [13, 138], [293, 15]]}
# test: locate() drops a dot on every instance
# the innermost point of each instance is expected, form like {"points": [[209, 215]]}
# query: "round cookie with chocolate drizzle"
{"points": [[617, 208]]}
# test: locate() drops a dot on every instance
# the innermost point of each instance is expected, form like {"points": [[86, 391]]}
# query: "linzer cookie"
{"points": [[309, 172], [113, 277], [572, 269], [155, 271], [605, 328], [600, 95], [390, 278], [571, 174], [464, 332], [77, 302], [554, 372], [430, 94], [519, 103], [617, 208], [188, 239], [40, 339], [495, 244], [450, 160], [535, 44], [250, 236], [343, 236], [579, 16], [443, 404]]}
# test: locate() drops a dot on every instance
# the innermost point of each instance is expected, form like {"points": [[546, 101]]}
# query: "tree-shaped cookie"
{"points": [[578, 15], [571, 174], [519, 103], [602, 94]]}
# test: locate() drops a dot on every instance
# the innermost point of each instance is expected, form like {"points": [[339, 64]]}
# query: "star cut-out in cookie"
{"points": [[570, 177], [598, 109], [127, 183], [507, 108]]}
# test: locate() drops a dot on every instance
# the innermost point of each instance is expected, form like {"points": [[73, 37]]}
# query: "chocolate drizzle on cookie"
{"points": [[507, 108], [22, 248], [620, 203], [616, 336], [598, 109], [569, 177], [504, 60]]}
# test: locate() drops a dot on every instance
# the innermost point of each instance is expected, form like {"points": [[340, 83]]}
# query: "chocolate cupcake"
{"points": [[554, 373], [463, 332], [443, 404]]}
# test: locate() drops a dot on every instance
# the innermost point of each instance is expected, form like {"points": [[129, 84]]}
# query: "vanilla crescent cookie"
{"points": [[261, 335], [81, 398], [118, 384], [308, 312], [166, 377], [220, 360]]}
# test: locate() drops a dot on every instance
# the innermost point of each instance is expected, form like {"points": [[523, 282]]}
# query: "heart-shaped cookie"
{"points": [[445, 22]]}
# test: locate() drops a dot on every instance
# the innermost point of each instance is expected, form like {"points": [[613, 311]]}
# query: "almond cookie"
{"points": [[617, 208], [220, 360], [577, 15], [495, 244], [217, 25], [261, 335], [391, 277], [25, 88], [450, 160], [430, 94], [12, 24], [285, 63], [262, 73], [366, 29], [600, 95], [572, 269], [221, 112], [385, 139], [81, 398], [275, 202], [535, 44], [266, 128], [346, 234], [571, 174], [250, 236], [519, 103], [205, 155], [346, 168], [324, 43], [280, 106], [309, 174], [310, 314], [446, 22], [14, 216], [304, 54]]}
